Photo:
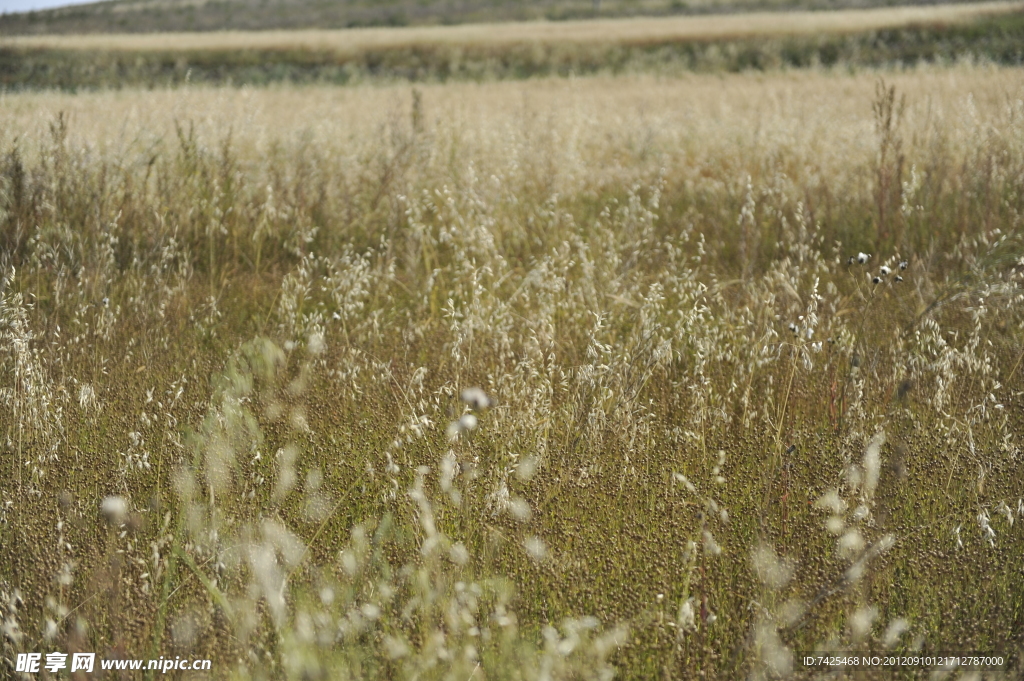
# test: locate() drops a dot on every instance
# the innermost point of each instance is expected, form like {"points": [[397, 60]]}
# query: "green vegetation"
{"points": [[154, 16], [997, 39], [710, 430]]}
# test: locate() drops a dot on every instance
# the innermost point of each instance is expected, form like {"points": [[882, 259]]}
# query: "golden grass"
{"points": [[822, 121], [601, 31], [253, 333]]}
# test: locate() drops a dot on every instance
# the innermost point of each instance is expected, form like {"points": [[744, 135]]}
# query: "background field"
{"points": [[249, 314], [671, 46], [160, 16]]}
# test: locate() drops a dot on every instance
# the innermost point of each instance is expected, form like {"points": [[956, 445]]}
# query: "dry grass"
{"points": [[817, 119], [634, 31], [250, 315]]}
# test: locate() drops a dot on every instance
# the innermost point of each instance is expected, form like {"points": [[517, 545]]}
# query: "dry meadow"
{"points": [[550, 379], [618, 31]]}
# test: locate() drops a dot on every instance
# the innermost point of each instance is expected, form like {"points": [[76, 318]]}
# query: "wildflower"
{"points": [[884, 271], [903, 264], [793, 327], [876, 280], [863, 258], [898, 279]]}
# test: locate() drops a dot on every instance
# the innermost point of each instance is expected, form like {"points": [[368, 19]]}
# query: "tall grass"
{"points": [[238, 329]]}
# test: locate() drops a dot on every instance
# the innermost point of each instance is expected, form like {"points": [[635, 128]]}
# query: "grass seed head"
{"points": [[476, 399], [114, 510]]}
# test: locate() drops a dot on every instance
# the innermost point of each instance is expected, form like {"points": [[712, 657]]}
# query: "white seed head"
{"points": [[861, 621], [831, 501], [465, 423], [774, 571], [791, 611], [686, 483], [395, 647], [114, 509], [776, 657], [86, 397], [459, 554], [536, 547], [526, 468], [316, 344], [855, 571], [711, 547], [863, 258], [894, 631], [872, 463], [476, 398], [520, 509], [850, 544], [685, 619]]}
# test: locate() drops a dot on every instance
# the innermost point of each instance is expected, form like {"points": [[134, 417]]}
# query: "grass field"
{"points": [[669, 46], [630, 31], [241, 328], [162, 16]]}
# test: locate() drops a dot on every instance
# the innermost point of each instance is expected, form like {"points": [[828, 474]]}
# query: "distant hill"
{"points": [[149, 16]]}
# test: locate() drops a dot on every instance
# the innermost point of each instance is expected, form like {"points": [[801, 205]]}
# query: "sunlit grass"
{"points": [[503, 378]]}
